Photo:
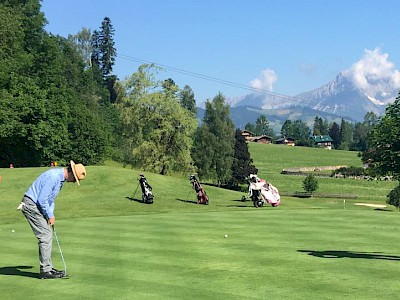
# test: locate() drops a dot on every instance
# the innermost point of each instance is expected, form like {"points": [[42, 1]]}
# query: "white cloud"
{"points": [[266, 81], [371, 71]]}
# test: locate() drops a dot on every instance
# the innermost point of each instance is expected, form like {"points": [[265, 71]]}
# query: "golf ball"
{"points": [[13, 230], [226, 235]]}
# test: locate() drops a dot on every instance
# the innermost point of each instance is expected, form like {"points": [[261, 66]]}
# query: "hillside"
{"points": [[108, 190]]}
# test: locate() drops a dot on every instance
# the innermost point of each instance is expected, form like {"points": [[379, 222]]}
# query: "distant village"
{"points": [[322, 141]]}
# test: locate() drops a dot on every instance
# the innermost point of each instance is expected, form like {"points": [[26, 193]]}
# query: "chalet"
{"points": [[323, 141], [246, 134], [264, 139], [249, 137], [285, 141]]}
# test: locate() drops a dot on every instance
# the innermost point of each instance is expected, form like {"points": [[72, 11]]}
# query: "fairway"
{"points": [[268, 254], [116, 247]]}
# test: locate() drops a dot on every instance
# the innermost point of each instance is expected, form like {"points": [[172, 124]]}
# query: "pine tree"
{"points": [[242, 165]]}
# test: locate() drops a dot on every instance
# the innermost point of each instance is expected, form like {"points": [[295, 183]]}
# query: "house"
{"points": [[249, 137], [264, 139], [246, 134], [323, 141], [285, 141]]}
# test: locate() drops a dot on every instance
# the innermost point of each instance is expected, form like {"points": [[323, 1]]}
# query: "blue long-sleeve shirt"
{"points": [[45, 189]]}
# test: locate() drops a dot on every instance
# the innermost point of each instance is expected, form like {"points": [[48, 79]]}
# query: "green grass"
{"points": [[118, 248]]}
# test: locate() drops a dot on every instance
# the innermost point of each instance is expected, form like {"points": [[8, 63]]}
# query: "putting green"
{"points": [[269, 254]]}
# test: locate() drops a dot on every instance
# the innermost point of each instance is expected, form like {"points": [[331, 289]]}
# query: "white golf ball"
{"points": [[13, 230], [226, 235]]}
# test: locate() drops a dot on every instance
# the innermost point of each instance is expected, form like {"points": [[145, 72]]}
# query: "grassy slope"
{"points": [[116, 247]]}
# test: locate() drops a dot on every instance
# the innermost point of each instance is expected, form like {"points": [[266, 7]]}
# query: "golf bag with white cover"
{"points": [[147, 195], [202, 197], [261, 192]]}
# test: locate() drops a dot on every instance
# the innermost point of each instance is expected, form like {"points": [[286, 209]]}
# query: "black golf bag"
{"points": [[202, 197], [147, 195]]}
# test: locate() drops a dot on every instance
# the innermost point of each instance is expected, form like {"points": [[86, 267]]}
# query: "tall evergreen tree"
{"points": [[187, 99], [346, 134], [242, 165], [334, 133], [218, 123], [107, 49]]}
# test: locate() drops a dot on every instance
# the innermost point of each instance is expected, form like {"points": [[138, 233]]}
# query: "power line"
{"points": [[209, 78]]}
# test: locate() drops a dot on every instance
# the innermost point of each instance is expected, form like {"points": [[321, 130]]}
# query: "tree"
{"points": [[393, 198], [320, 126], [250, 127], [95, 56], [219, 130], [302, 133], [334, 133], [287, 129], [383, 153], [170, 88], [158, 130], [83, 43], [346, 135], [242, 165], [43, 89], [359, 137], [310, 183], [107, 49], [187, 100], [262, 126], [298, 130]]}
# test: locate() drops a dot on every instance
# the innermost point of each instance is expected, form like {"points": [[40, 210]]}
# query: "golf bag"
{"points": [[202, 197], [147, 195], [261, 192]]}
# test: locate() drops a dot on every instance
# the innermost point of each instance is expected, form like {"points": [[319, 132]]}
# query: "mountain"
{"points": [[343, 97]]}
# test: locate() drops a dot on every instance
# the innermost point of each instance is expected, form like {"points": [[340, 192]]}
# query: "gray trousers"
{"points": [[42, 231]]}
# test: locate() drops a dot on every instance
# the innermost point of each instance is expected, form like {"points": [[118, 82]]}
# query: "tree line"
{"points": [[345, 136], [59, 100]]}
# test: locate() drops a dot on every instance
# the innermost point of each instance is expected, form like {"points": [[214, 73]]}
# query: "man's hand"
{"points": [[52, 221]]}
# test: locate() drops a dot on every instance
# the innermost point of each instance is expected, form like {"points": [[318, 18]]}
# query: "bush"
{"points": [[350, 171], [394, 197], [310, 184]]}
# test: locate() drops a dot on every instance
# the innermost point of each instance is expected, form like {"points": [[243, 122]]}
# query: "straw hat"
{"points": [[78, 170]]}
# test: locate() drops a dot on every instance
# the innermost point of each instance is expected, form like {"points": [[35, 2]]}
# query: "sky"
{"points": [[238, 47]]}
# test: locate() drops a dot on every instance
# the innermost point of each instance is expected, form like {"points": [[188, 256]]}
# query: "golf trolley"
{"points": [[147, 195], [261, 192], [202, 197]]}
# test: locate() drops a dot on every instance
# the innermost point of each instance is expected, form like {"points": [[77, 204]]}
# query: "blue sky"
{"points": [[283, 46]]}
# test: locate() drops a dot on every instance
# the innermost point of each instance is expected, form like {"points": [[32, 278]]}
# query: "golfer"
{"points": [[38, 207]]}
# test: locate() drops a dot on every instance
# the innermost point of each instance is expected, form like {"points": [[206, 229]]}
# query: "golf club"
{"points": [[62, 256]]}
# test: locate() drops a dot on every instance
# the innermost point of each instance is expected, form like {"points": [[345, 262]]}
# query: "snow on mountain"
{"points": [[367, 86], [339, 96]]}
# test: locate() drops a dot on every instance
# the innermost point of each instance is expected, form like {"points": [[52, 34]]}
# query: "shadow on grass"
{"points": [[134, 199], [383, 209], [17, 271], [186, 201], [243, 203], [349, 254]]}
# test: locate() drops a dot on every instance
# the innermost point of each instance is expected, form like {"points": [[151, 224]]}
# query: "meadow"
{"points": [[116, 247]]}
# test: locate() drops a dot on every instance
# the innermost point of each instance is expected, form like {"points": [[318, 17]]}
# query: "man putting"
{"points": [[38, 207]]}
